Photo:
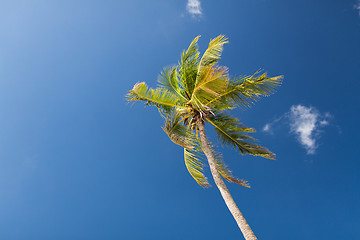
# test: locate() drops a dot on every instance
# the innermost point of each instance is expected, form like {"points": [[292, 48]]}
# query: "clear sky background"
{"points": [[78, 162]]}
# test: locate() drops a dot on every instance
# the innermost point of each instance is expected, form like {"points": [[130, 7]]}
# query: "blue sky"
{"points": [[78, 162]]}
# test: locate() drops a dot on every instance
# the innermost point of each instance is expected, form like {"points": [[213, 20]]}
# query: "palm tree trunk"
{"points": [[230, 203]]}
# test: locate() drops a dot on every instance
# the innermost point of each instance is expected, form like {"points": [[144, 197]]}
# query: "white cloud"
{"points": [[194, 8], [324, 122], [357, 6], [267, 128], [305, 123]]}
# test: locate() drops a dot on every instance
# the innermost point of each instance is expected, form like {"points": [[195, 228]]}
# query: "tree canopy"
{"points": [[199, 90]]}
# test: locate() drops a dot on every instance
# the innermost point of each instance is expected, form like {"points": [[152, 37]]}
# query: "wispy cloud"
{"points": [[269, 126], [357, 6], [194, 8], [305, 123]]}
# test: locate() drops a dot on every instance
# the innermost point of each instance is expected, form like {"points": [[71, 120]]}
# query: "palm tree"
{"points": [[199, 91]]}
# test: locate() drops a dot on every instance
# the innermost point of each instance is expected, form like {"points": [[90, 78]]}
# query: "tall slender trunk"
{"points": [[230, 203]]}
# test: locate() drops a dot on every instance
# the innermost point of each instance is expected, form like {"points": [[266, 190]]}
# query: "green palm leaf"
{"points": [[213, 53], [188, 67], [195, 166], [231, 132], [211, 83], [161, 98], [245, 91], [178, 133], [224, 171], [169, 80]]}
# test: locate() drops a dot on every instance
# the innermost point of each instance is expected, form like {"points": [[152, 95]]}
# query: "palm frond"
{"points": [[195, 166], [231, 132], [223, 169], [169, 80], [246, 90], [161, 98], [226, 173], [211, 83], [181, 135], [188, 67], [213, 52], [178, 133]]}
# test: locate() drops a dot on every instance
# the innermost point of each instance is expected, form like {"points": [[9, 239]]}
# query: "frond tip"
{"points": [[213, 53], [224, 171], [247, 90]]}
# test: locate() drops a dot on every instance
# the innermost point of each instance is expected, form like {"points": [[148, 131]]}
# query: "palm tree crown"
{"points": [[198, 90]]}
